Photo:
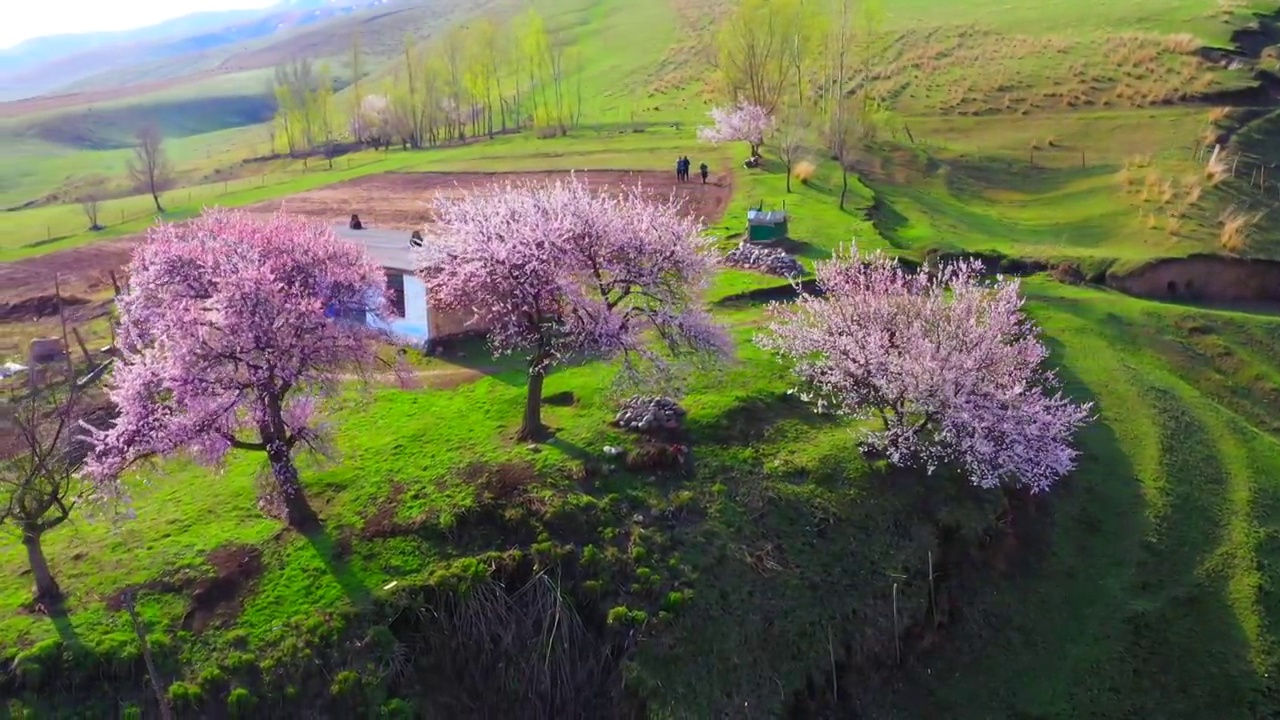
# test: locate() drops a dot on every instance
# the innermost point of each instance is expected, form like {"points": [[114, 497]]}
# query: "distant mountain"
{"points": [[52, 64]]}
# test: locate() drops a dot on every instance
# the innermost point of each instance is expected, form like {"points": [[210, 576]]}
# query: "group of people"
{"points": [[682, 170]]}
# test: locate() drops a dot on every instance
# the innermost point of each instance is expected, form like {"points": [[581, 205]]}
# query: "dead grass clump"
{"points": [[1152, 223], [1230, 7], [1167, 192], [1173, 225], [1236, 227], [803, 170], [1125, 178], [1217, 170], [1182, 43], [1193, 189], [1219, 114]]}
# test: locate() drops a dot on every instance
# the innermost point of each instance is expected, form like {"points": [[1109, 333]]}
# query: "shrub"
{"points": [[240, 703], [185, 695]]}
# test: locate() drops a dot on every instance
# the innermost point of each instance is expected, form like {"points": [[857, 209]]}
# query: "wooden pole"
{"points": [[156, 683], [897, 639], [831, 653], [84, 349], [933, 597]]}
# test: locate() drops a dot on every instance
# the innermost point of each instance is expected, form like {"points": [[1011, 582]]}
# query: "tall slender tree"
{"points": [[149, 169]]}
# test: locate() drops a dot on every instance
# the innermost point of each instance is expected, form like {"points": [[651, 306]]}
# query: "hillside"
{"points": [[1115, 157], [64, 65]]}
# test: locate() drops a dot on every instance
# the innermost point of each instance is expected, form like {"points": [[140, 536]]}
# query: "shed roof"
{"points": [[388, 248]]}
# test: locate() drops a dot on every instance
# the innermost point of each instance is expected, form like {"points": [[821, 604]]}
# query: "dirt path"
{"points": [[390, 200], [402, 201]]}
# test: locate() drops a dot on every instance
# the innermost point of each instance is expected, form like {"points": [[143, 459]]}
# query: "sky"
{"points": [[24, 19]]}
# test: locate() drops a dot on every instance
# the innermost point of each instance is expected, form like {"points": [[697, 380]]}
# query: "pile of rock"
{"points": [[765, 259], [646, 414]]}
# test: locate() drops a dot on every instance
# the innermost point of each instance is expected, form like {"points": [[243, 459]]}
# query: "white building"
{"points": [[412, 319]]}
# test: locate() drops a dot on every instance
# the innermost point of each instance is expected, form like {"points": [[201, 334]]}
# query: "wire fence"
{"points": [[72, 219]]}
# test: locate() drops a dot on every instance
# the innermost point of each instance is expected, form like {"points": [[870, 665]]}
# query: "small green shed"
{"points": [[766, 226]]}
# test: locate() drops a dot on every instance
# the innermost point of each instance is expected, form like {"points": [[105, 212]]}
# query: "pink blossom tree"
{"points": [[228, 340], [743, 122], [556, 271], [949, 365]]}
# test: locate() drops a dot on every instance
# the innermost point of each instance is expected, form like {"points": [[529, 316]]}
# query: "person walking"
{"points": [[684, 169], [679, 169], [703, 170]]}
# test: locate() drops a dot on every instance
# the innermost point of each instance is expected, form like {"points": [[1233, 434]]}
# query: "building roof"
{"points": [[388, 248]]}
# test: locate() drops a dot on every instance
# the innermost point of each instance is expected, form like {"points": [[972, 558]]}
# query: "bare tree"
{"points": [[149, 169], [39, 465], [89, 205], [791, 136]]}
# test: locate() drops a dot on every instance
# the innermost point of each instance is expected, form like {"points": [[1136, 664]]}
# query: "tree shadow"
{"points": [[751, 419], [61, 620], [333, 553], [471, 351], [1114, 608], [570, 448]]}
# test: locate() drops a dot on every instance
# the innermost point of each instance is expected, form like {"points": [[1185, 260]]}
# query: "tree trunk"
{"points": [[159, 686], [155, 197], [531, 428], [47, 591], [788, 175], [297, 511], [844, 183]]}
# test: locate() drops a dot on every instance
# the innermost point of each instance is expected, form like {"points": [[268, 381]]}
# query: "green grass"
{"points": [[46, 229], [1155, 552], [1151, 589], [1142, 587]]}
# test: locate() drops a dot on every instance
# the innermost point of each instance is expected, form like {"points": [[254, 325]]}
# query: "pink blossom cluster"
{"points": [[743, 122], [948, 364], [557, 270], [227, 337]]}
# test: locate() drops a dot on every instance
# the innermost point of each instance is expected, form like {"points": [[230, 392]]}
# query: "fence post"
{"points": [[897, 641]]}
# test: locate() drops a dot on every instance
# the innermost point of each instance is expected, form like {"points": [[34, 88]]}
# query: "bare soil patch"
{"points": [[214, 598], [402, 201], [37, 307], [391, 200], [236, 566], [81, 271], [1207, 279]]}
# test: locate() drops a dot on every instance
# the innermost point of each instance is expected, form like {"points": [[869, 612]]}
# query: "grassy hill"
{"points": [[787, 574]]}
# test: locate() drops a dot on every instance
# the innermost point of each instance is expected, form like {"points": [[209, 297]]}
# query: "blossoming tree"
{"points": [[228, 340], [949, 366], [555, 271], [743, 122]]}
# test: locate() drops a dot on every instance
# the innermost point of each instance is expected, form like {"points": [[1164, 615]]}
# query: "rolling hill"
{"points": [[70, 63]]}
